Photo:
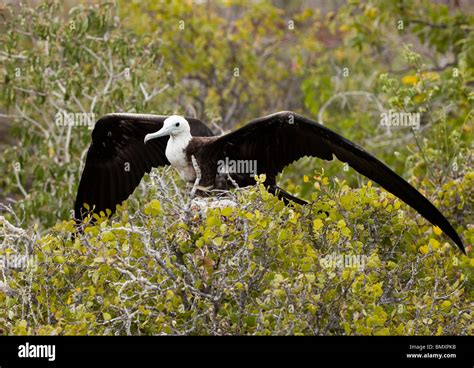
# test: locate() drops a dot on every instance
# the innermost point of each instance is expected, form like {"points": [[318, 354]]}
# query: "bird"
{"points": [[265, 145], [117, 159]]}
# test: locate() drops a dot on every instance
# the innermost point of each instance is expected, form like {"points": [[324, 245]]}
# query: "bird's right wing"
{"points": [[117, 159], [277, 140]]}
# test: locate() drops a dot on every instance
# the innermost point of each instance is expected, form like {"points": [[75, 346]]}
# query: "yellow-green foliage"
{"points": [[257, 268]]}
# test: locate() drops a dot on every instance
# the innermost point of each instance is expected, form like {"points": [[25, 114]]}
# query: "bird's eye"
{"points": [[177, 124]]}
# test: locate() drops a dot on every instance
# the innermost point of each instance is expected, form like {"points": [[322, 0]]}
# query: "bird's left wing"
{"points": [[277, 140], [117, 158]]}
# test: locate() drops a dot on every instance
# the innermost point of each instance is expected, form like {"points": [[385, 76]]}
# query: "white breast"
{"points": [[175, 153]]}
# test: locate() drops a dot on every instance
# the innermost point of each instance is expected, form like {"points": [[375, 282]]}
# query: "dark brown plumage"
{"points": [[117, 159], [273, 141], [277, 140]]}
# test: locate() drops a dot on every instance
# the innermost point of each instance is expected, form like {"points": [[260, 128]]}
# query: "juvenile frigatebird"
{"points": [[140, 142]]}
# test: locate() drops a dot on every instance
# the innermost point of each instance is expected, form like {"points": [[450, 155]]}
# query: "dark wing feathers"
{"points": [[277, 140], [273, 141], [117, 158]]}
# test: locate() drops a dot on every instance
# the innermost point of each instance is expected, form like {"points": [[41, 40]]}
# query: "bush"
{"points": [[256, 267]]}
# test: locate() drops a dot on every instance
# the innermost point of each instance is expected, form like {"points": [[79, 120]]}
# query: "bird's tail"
{"points": [[285, 196]]}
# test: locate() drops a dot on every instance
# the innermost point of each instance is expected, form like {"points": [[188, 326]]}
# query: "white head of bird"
{"points": [[175, 126]]}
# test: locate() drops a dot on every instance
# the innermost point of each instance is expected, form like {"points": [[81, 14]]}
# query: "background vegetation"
{"points": [[165, 265]]}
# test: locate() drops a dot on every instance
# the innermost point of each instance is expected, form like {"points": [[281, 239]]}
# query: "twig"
{"points": [[18, 183], [343, 95], [197, 169]]}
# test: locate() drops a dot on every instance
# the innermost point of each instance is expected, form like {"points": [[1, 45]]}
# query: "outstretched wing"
{"points": [[279, 139], [117, 158]]}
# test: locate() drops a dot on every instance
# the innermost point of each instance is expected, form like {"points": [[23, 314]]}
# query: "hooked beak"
{"points": [[160, 133]]}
